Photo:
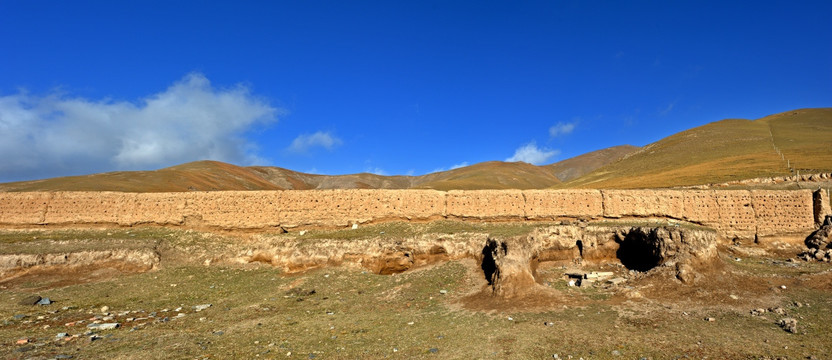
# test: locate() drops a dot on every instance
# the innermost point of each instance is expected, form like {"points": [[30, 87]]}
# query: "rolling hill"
{"points": [[214, 175], [727, 150]]}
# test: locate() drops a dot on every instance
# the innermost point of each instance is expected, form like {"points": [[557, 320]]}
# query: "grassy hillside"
{"points": [[490, 175], [213, 175], [723, 151], [719, 152], [581, 165], [200, 175]]}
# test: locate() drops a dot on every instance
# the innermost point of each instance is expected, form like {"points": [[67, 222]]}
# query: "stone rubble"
{"points": [[788, 324]]}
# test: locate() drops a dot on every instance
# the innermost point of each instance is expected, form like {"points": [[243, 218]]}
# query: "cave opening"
{"points": [[580, 245], [639, 251], [490, 251]]}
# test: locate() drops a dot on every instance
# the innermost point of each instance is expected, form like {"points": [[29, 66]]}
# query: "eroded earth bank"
{"points": [[626, 288]]}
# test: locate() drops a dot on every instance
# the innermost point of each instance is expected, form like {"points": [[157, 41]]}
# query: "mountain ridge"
{"points": [[720, 151]]}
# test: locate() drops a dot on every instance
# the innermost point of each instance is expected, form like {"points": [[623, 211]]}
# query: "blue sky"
{"points": [[390, 87]]}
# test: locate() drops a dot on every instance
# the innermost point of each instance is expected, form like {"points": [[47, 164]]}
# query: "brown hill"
{"points": [[581, 165], [723, 151], [200, 175], [490, 175], [727, 150], [214, 175]]}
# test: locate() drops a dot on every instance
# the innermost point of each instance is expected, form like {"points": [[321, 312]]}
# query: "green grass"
{"points": [[70, 240], [406, 229], [649, 223]]}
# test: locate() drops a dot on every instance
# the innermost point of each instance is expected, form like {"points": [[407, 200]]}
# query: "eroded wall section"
{"points": [[734, 213]]}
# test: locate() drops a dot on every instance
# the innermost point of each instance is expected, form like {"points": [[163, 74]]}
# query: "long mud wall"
{"points": [[743, 214]]}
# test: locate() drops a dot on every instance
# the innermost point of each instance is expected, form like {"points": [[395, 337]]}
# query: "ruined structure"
{"points": [[735, 214], [675, 230]]}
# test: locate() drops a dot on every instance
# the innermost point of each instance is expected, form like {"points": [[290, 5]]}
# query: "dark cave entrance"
{"points": [[639, 250], [490, 251]]}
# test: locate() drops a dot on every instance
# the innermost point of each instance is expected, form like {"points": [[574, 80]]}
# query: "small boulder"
{"points": [[778, 310], [820, 238], [104, 326], [44, 301], [685, 273], [788, 324], [30, 300]]}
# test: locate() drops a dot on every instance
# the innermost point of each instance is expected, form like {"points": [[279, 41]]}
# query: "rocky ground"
{"points": [[159, 293]]}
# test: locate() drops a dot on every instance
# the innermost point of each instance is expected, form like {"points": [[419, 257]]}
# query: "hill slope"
{"points": [[200, 175], [214, 175], [724, 151], [581, 165]]}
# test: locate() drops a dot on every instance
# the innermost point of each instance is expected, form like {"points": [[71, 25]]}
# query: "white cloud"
{"points": [[303, 143], [561, 129], [58, 135], [531, 154], [377, 171], [456, 166], [667, 109]]}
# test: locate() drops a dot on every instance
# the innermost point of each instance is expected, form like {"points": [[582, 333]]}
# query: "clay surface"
{"points": [[735, 214]]}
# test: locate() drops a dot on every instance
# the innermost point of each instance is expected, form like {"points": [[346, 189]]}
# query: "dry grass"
{"points": [[724, 151], [718, 152], [259, 312]]}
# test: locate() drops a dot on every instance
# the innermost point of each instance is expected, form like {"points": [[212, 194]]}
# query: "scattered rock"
{"points": [[798, 304], [19, 316], [22, 341], [788, 324], [433, 350], [585, 282], [758, 312], [778, 310], [616, 353], [710, 319], [821, 237], [104, 309], [199, 308], [45, 301], [598, 275], [685, 273], [30, 300], [617, 281], [104, 326], [443, 292]]}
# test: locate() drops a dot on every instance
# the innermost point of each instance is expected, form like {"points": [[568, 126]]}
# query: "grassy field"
{"points": [[724, 151], [434, 312]]}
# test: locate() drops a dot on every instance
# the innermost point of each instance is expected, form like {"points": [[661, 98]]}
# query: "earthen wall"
{"points": [[734, 213]]}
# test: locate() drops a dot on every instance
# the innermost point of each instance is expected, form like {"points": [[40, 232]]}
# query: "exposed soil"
{"points": [[437, 296]]}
